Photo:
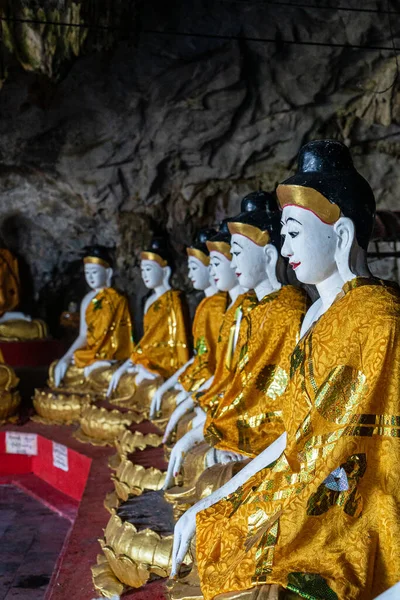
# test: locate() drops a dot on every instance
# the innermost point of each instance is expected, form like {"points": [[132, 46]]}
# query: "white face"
{"points": [[198, 274], [224, 278], [152, 274], [249, 261], [96, 276], [309, 244]]}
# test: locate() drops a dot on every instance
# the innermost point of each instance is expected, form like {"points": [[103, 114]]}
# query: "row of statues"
{"points": [[280, 426]]}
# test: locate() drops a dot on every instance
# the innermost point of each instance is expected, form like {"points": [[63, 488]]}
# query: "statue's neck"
{"points": [[161, 289], [329, 289], [265, 287], [210, 291], [234, 293]]}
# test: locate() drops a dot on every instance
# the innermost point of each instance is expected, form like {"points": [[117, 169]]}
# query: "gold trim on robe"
{"points": [[322, 521]]}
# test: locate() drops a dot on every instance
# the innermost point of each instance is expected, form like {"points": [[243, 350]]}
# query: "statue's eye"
{"points": [[293, 234]]}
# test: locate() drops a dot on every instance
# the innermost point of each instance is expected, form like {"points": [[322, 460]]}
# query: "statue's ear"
{"points": [[109, 276], [345, 231], [271, 254], [167, 274]]}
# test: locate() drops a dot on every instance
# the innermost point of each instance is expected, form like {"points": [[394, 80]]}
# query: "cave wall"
{"points": [[169, 132]]}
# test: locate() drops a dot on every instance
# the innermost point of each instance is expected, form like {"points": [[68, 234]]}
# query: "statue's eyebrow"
{"points": [[237, 243], [292, 219]]}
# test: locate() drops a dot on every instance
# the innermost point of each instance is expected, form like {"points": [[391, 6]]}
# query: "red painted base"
{"points": [[35, 353]]}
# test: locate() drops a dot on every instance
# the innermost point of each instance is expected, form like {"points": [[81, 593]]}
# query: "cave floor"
{"points": [[31, 539]]}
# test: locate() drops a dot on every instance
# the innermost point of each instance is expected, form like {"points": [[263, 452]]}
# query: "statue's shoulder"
{"points": [[295, 297], [218, 301], [113, 294]]}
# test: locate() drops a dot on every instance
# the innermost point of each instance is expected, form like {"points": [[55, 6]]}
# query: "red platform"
{"points": [[77, 493], [32, 353]]}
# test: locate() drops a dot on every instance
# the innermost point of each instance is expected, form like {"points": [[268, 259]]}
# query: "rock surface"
{"points": [[168, 132]]}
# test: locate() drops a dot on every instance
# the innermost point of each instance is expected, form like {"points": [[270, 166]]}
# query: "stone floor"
{"points": [[31, 539]]}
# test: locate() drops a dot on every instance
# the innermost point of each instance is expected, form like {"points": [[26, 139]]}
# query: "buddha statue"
{"points": [[15, 325], [315, 513], [205, 330], [105, 337], [164, 346], [243, 413]]}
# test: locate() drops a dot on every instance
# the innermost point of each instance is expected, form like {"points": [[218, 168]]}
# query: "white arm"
{"points": [[167, 385], [181, 448], [176, 416], [127, 365], [186, 526], [391, 594]]}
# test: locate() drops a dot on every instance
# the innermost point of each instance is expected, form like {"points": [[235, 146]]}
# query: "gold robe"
{"points": [[324, 520], [164, 347], [246, 416], [226, 355], [206, 326]]}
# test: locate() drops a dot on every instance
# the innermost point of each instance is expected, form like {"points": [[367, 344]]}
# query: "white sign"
{"points": [[60, 456], [21, 443]]}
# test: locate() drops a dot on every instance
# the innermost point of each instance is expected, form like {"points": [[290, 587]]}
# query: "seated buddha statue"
{"points": [[205, 330], [15, 325], [164, 346], [315, 514], [243, 414], [105, 337]]}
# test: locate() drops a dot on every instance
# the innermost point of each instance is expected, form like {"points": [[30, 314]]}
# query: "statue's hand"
{"points": [[96, 365], [143, 375], [176, 416], [116, 377], [178, 453], [156, 401], [60, 370], [224, 457], [183, 535]]}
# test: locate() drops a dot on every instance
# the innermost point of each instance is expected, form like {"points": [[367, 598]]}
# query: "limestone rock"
{"points": [[167, 132]]}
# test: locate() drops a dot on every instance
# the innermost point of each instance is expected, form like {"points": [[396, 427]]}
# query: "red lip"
{"points": [[294, 265], [238, 274], [216, 280]]}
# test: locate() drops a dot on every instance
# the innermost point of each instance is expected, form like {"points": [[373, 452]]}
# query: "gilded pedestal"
{"points": [[132, 480], [132, 555], [101, 427]]}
